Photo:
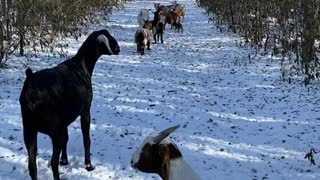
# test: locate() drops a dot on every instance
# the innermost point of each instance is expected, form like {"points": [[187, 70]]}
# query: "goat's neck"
{"points": [[181, 170], [88, 62]]}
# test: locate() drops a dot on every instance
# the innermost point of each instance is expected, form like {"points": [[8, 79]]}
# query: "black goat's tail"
{"points": [[27, 93], [29, 73]]}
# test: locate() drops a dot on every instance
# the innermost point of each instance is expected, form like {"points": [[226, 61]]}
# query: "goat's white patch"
{"points": [[181, 170], [103, 39], [142, 16], [162, 18]]}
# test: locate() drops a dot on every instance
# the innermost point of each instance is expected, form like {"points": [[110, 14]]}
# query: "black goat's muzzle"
{"points": [[116, 50], [133, 165]]}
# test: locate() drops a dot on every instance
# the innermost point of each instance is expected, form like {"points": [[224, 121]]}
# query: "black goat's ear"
{"points": [[102, 39], [105, 32], [29, 73]]}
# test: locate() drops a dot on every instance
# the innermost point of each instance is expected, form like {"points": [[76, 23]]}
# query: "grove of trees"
{"points": [[39, 24], [290, 28]]}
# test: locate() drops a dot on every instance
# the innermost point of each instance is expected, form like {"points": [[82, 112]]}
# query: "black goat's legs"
{"points": [[57, 143], [64, 156], [85, 127], [30, 140], [161, 36]]}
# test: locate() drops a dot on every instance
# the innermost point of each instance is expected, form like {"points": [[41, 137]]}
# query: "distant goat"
{"points": [[142, 16], [180, 12], [165, 12], [158, 32], [173, 18], [178, 27], [164, 8], [159, 154], [173, 13], [158, 26], [179, 8], [142, 39], [51, 99]]}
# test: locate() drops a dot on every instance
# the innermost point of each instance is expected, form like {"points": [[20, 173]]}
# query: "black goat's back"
{"points": [[56, 96]]}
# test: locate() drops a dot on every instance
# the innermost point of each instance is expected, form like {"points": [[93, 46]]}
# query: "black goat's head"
{"points": [[102, 42], [155, 153], [107, 44]]}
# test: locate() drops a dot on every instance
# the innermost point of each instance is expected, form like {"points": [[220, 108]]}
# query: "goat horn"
{"points": [[165, 133]]}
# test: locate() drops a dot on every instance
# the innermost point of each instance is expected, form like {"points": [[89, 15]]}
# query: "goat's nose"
{"points": [[133, 165]]}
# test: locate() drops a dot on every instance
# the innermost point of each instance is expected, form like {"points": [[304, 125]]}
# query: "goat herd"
{"points": [[171, 14], [51, 99]]}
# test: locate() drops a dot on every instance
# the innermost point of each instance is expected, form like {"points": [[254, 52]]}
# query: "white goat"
{"points": [[159, 154], [143, 16]]}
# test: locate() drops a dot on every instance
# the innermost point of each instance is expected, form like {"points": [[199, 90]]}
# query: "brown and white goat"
{"points": [[148, 25], [142, 39], [173, 18], [179, 8], [180, 13], [159, 154]]}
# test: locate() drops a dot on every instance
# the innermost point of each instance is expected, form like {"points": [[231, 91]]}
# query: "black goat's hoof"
{"points": [[64, 162], [90, 167]]}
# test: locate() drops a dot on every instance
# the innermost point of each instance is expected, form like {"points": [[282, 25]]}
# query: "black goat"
{"points": [[178, 27], [158, 32], [157, 26], [53, 98]]}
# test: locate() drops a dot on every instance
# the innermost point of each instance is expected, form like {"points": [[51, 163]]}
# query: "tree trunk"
{"points": [[308, 38], [1, 32]]}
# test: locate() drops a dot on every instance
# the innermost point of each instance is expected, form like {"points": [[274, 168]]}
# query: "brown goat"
{"points": [[172, 18], [180, 12], [148, 25]]}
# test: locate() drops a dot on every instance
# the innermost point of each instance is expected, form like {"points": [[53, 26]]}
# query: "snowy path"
{"points": [[238, 121]]}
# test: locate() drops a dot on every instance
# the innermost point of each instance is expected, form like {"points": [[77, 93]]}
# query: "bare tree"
{"points": [[38, 24], [290, 28]]}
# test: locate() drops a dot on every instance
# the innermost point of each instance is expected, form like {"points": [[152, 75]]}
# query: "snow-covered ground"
{"points": [[238, 120]]}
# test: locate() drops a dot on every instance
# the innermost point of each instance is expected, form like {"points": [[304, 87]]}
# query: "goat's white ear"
{"points": [[103, 39]]}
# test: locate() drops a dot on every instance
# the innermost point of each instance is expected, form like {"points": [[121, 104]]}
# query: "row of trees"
{"points": [[39, 24], [290, 28]]}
